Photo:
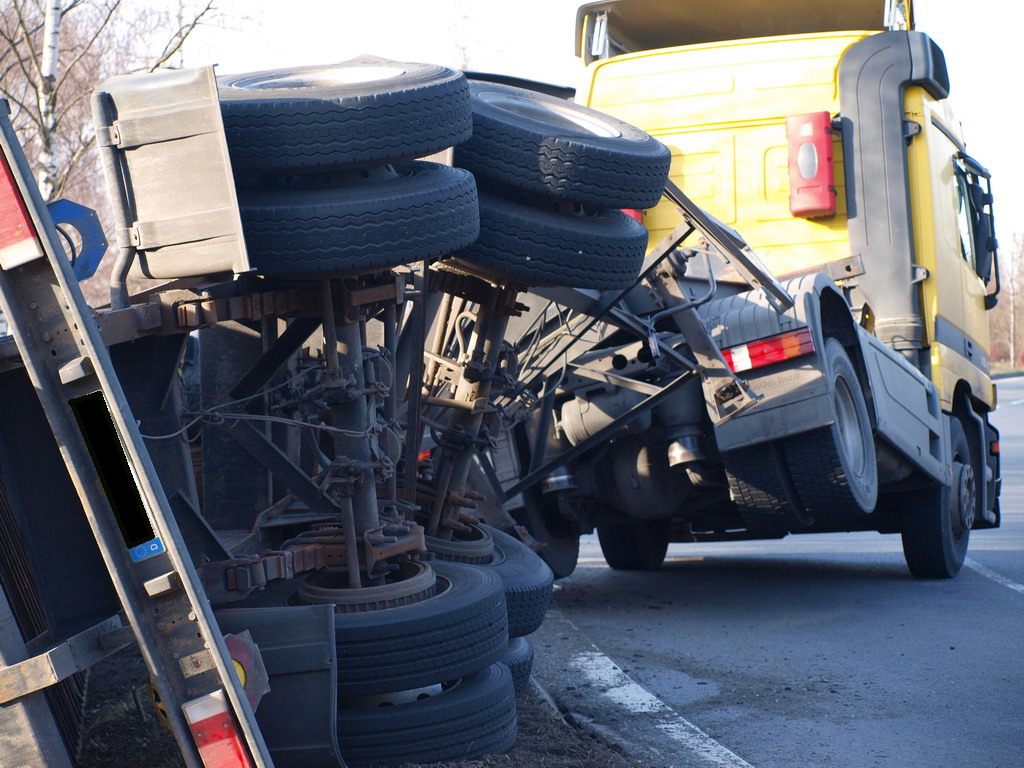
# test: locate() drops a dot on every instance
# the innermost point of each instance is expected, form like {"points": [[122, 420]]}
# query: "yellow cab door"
{"points": [[946, 221]]}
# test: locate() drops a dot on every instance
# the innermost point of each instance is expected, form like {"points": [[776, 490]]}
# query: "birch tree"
{"points": [[56, 51]]}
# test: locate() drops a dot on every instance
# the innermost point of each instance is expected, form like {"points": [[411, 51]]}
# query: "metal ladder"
{"points": [[127, 510]]}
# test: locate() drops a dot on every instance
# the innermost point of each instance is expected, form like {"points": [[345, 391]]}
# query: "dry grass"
{"points": [[116, 735]]}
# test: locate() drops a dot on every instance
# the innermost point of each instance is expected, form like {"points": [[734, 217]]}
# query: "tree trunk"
{"points": [[47, 96]]}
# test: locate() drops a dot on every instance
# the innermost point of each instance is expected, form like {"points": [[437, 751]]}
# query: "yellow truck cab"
{"points": [[822, 134]]}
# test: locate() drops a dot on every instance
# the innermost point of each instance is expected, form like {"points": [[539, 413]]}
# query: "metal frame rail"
{"points": [[169, 614]]}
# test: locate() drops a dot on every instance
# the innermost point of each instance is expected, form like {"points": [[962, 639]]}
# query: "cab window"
{"points": [[964, 218]]}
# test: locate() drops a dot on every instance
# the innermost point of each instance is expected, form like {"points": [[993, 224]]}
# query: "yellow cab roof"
{"points": [[641, 25]]}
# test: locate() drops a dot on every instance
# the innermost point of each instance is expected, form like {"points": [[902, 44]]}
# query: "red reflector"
{"points": [[424, 456], [220, 745], [993, 447], [775, 349], [812, 177], [18, 242], [633, 213]]}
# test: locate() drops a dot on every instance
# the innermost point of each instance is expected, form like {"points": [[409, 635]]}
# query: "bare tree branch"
{"points": [[15, 49], [87, 40], [180, 36], [104, 22], [34, 57]]}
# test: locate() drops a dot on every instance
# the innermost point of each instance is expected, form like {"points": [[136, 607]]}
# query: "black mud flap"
{"points": [[298, 717]]}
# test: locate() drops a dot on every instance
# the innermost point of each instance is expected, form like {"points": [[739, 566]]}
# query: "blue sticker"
{"points": [[147, 550]]}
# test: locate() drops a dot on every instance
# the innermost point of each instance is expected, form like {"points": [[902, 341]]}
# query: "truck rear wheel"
{"points": [[937, 522], [519, 660], [560, 537], [474, 716], [527, 579], [523, 245], [763, 492], [634, 546], [358, 221], [834, 469], [360, 112], [528, 583], [460, 630], [455, 632], [544, 145]]}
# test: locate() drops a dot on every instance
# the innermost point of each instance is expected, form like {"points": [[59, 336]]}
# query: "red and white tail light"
{"points": [[216, 734], [774, 349]]}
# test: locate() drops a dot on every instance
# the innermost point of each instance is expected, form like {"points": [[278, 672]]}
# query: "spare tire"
{"points": [[548, 146], [528, 246], [358, 221], [476, 716], [360, 112]]}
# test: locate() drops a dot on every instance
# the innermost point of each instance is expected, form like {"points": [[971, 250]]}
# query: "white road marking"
{"points": [[604, 673], [988, 573], [1017, 402]]}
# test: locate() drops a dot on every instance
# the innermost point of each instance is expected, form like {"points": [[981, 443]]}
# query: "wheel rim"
{"points": [[963, 519], [551, 114], [475, 547], [850, 428], [320, 77], [416, 582]]}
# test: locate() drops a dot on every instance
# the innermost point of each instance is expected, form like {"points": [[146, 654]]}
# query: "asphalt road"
{"points": [[818, 650]]}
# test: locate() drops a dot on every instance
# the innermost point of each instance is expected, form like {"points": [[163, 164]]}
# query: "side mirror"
{"points": [[984, 234]]}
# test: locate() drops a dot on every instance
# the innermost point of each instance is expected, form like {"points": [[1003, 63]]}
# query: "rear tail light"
{"points": [[216, 734], [993, 447], [774, 349], [812, 177], [18, 241]]}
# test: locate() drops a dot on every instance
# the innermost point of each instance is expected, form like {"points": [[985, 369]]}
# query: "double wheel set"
{"points": [[431, 646]]}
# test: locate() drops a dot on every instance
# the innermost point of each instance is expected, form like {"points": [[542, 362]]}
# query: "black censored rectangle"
{"points": [[111, 461]]}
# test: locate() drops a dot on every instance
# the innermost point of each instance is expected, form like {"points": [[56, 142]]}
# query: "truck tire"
{"points": [[462, 629], [634, 546], [476, 716], [561, 539], [526, 578], [528, 583], [760, 487], [519, 660], [527, 246], [474, 547], [544, 145], [937, 521], [834, 469], [360, 221], [561, 553], [361, 112]]}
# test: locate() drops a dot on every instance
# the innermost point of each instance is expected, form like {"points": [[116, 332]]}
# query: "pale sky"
{"points": [[982, 40]]}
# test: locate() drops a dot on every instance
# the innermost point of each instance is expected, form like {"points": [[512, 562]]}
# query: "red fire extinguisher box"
{"points": [[812, 189]]}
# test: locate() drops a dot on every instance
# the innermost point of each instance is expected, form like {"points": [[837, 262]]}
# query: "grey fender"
{"points": [[903, 405], [793, 396]]}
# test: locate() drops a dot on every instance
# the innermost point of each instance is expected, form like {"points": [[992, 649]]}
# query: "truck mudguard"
{"points": [[794, 395]]}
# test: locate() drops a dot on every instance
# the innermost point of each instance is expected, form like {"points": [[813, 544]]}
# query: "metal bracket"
{"points": [[733, 248], [73, 655]]}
